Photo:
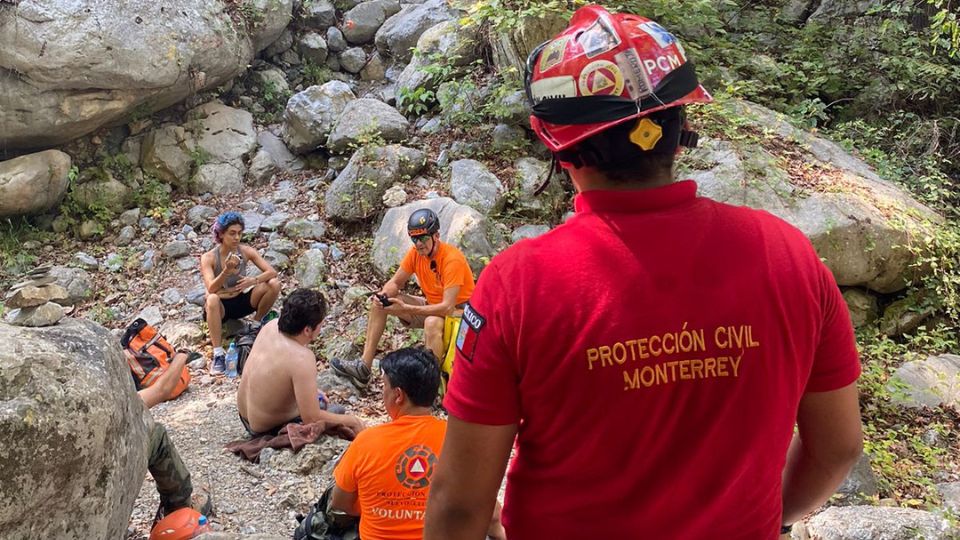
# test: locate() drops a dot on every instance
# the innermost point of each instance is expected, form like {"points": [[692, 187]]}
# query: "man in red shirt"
{"points": [[445, 279], [652, 355]]}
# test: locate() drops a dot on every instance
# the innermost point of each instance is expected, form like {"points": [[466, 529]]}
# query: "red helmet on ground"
{"points": [[181, 524], [603, 70]]}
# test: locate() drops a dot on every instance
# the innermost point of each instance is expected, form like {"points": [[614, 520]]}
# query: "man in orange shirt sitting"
{"points": [[445, 279], [384, 476]]}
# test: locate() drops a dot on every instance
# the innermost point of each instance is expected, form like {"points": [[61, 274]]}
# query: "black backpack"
{"points": [[321, 523], [244, 343]]}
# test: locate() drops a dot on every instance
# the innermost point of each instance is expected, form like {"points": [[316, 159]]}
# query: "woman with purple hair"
{"points": [[231, 293]]}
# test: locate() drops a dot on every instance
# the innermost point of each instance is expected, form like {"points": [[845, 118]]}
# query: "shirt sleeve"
{"points": [[345, 472], [408, 264], [484, 387], [836, 362]]}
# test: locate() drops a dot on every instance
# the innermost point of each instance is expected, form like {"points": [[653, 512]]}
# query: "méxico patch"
{"points": [[472, 323]]}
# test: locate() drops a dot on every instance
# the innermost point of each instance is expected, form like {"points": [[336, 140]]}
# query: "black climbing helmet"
{"points": [[423, 221]]}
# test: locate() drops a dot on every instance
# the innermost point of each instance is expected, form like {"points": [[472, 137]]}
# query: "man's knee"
{"points": [[274, 285], [213, 304], [433, 328]]}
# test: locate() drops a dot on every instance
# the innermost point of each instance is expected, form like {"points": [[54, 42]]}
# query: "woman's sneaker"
{"points": [[219, 363], [355, 370]]}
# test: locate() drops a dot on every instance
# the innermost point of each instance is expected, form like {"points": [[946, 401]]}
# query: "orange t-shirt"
{"points": [[451, 269], [390, 467]]}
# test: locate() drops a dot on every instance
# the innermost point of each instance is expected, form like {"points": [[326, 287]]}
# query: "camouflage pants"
{"points": [[168, 470]]}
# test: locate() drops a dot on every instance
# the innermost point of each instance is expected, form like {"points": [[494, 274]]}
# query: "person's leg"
{"points": [[168, 470], [214, 314], [376, 323], [433, 336], [263, 296]]}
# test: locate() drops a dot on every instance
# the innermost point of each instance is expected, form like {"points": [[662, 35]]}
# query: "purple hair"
{"points": [[223, 221]]}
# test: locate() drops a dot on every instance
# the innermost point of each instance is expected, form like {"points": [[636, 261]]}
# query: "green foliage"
{"points": [[14, 232], [199, 156], [274, 101], [416, 101], [504, 15], [314, 74]]}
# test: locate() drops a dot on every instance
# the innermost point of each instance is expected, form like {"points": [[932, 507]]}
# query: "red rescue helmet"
{"points": [[181, 524], [603, 70]]}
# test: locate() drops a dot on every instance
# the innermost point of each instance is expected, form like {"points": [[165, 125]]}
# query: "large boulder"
{"points": [[399, 34], [511, 47], [459, 45], [531, 172], [80, 66], [225, 137], [361, 23], [310, 115], [358, 190], [928, 383], [862, 226], [74, 439], [33, 183], [364, 119], [875, 523], [167, 153], [279, 153], [460, 225], [472, 184]]}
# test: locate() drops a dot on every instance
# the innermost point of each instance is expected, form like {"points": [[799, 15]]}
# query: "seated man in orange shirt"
{"points": [[445, 279], [384, 476]]}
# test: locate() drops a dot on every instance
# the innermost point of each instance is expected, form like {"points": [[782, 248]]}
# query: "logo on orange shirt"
{"points": [[415, 467]]}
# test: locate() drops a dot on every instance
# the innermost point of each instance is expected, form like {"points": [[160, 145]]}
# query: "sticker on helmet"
{"points": [[658, 33], [552, 54], [601, 78], [638, 84], [599, 38], [553, 88]]}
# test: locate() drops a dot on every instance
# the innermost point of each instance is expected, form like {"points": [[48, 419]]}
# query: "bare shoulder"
{"points": [[248, 251]]}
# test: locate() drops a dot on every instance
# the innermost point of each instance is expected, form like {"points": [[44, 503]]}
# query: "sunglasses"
{"points": [[420, 238]]}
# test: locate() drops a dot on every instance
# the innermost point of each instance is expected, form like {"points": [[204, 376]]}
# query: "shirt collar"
{"points": [[603, 201]]}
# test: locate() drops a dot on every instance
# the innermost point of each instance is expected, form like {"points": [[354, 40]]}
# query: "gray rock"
{"points": [[311, 459], [932, 382], [262, 168], [276, 259], [318, 14], [87, 262], [168, 153], [171, 297], [447, 39], [218, 178], [76, 478], [859, 485], [336, 254], [113, 262], [149, 259], [272, 79], [848, 219], [186, 264], [281, 45], [335, 40], [399, 33], [278, 151], [225, 138], [365, 118], [33, 183], [151, 314], [950, 493], [73, 88], [528, 231], [874, 523], [862, 307], [313, 48], [182, 335], [310, 115], [511, 47], [905, 315], [353, 59], [149, 225], [472, 184], [305, 229], [311, 269], [340, 342], [197, 296], [462, 226], [514, 109], [76, 281], [361, 23], [101, 192], [252, 222], [199, 217], [374, 70], [47, 314], [130, 217], [90, 228], [274, 221], [176, 250], [333, 63], [357, 192], [266, 207], [531, 173], [32, 296], [394, 196], [507, 137], [127, 235], [282, 245]]}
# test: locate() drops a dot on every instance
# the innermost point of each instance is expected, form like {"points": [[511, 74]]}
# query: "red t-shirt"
{"points": [[653, 351]]}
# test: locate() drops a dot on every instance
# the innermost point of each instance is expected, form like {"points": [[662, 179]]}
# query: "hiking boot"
{"points": [[219, 363], [355, 370]]}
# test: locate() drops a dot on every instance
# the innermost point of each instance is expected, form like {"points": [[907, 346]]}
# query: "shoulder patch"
{"points": [[470, 326]]}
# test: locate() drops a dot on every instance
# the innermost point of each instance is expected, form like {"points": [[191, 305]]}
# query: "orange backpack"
{"points": [[149, 356]]}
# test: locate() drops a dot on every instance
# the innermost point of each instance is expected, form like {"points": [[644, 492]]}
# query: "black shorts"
{"points": [[237, 307]]}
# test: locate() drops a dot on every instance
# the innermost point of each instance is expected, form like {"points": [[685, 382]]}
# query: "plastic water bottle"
{"points": [[232, 361]]}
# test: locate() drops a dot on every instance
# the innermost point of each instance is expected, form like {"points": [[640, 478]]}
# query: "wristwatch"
{"points": [[785, 529]]}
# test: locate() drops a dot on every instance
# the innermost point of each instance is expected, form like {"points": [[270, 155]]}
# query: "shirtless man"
{"points": [[279, 383], [231, 294]]}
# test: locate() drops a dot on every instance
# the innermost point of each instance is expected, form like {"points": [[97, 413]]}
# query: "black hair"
{"points": [[303, 308], [415, 371], [613, 153]]}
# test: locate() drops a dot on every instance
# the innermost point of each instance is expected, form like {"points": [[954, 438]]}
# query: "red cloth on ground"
{"points": [[293, 436]]}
